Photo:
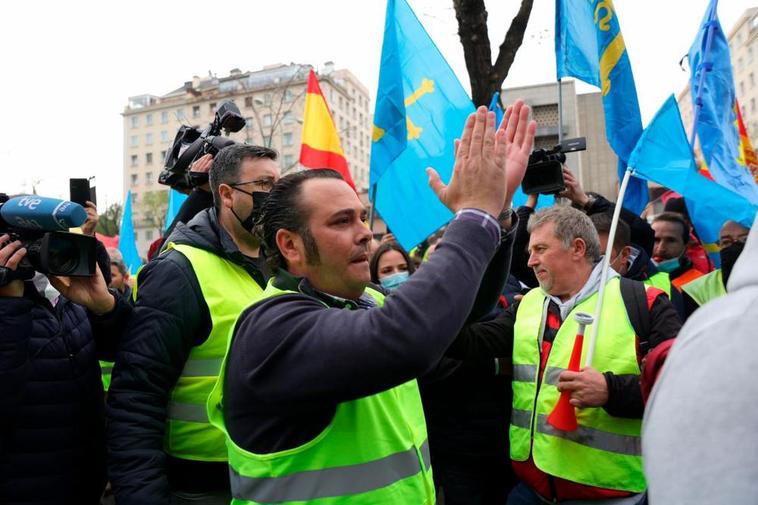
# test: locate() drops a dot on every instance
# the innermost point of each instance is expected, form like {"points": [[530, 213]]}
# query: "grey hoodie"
{"points": [[700, 431]]}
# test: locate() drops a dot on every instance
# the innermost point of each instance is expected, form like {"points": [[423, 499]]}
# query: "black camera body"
{"points": [[191, 143], [49, 250], [544, 173]]}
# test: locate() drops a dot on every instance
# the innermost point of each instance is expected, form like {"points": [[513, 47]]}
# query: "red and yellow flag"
{"points": [[320, 143], [747, 155]]}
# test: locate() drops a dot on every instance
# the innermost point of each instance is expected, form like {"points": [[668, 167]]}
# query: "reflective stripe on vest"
{"points": [[706, 288], [605, 451], [661, 281], [189, 434], [374, 450], [329, 482]]}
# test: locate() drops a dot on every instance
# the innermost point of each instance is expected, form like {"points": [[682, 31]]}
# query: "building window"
{"points": [[149, 120], [287, 139], [195, 111], [180, 114], [134, 180], [164, 117], [267, 120], [134, 141], [164, 136], [135, 121], [135, 197], [134, 160], [148, 235], [148, 159], [148, 139], [289, 160], [752, 105], [212, 107], [288, 95], [752, 80], [148, 177], [742, 88], [163, 155], [267, 99], [340, 102], [248, 101], [288, 118]]}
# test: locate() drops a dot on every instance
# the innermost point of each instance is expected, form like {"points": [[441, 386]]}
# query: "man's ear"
{"points": [[290, 245], [579, 248], [225, 195]]}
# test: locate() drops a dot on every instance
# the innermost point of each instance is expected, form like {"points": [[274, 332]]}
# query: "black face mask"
{"points": [[259, 197], [729, 257]]}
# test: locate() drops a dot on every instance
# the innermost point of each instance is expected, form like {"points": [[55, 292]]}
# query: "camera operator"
{"points": [[198, 199], [52, 423], [162, 448]]}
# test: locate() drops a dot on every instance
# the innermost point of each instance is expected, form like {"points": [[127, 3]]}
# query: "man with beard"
{"points": [[319, 397], [162, 449]]}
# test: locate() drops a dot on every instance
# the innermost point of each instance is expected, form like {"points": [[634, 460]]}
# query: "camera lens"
{"points": [[63, 256]]}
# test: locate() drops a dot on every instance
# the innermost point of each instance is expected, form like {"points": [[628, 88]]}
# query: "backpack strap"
{"points": [[636, 302]]}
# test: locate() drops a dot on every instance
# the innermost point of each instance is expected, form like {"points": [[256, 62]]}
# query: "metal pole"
{"points": [[698, 104], [371, 213], [560, 112], [606, 266]]}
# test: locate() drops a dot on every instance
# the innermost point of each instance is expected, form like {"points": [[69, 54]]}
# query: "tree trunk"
{"points": [[484, 76]]}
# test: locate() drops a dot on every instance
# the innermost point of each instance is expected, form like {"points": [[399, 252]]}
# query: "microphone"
{"points": [[34, 212]]}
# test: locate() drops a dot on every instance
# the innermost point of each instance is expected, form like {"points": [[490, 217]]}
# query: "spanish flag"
{"points": [[320, 143]]}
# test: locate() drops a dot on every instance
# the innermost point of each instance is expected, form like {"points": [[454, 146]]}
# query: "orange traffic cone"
{"points": [[563, 416]]}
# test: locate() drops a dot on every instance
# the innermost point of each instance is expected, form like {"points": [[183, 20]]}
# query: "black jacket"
{"points": [[52, 423], [170, 317], [494, 339], [292, 360]]}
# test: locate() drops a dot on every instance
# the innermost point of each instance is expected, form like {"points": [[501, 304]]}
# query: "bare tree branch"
{"points": [[472, 30], [512, 42]]}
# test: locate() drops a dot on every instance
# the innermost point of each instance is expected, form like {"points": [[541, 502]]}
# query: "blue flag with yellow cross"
{"points": [[420, 109], [589, 46]]}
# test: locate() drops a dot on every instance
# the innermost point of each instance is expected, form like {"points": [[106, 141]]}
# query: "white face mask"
{"points": [[44, 288]]}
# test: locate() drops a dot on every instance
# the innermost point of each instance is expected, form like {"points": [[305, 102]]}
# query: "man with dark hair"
{"points": [[319, 394], [672, 234], [632, 262], [162, 448]]}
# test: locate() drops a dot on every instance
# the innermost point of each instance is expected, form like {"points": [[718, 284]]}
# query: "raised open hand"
{"points": [[90, 292], [478, 179], [518, 138]]}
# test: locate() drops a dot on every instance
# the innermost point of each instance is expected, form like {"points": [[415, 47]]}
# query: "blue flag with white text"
{"points": [[663, 155], [420, 109], [713, 103], [127, 244], [590, 47]]}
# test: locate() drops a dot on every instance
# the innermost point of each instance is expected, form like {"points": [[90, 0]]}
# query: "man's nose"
{"points": [[532, 260]]}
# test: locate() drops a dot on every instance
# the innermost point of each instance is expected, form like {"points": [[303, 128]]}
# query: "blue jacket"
{"points": [[52, 425]]}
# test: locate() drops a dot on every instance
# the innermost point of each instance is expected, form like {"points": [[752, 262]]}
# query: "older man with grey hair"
{"points": [[600, 461]]}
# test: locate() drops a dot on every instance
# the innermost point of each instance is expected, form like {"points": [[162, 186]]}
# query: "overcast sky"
{"points": [[69, 67]]}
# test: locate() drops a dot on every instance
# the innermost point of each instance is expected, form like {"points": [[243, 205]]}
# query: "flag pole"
{"points": [[705, 68], [560, 112], [371, 213], [606, 266]]}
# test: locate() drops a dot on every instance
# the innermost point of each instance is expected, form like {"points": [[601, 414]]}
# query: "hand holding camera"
{"points": [[11, 254]]}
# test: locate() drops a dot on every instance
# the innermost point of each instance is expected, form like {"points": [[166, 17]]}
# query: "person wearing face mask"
{"points": [[162, 449], [390, 266], [702, 290], [632, 262], [672, 234]]}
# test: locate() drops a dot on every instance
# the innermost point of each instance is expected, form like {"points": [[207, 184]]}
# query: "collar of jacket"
{"points": [[286, 281], [204, 232]]}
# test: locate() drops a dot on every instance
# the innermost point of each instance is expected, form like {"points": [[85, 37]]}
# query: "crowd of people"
{"points": [[273, 351]]}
